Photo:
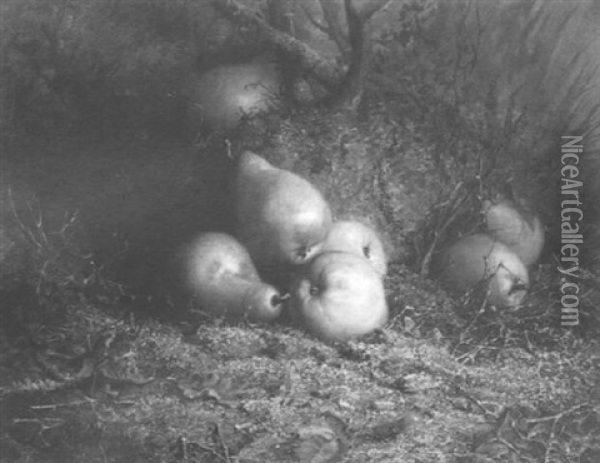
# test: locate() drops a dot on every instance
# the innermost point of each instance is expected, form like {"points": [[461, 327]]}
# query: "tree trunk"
{"points": [[346, 88], [324, 70], [360, 59]]}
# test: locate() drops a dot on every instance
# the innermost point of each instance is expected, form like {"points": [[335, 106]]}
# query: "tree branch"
{"points": [[367, 11], [333, 20], [313, 20], [360, 46], [325, 71], [280, 15], [359, 63]]}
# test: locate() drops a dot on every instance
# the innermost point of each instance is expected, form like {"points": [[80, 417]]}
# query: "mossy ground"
{"points": [[98, 366]]}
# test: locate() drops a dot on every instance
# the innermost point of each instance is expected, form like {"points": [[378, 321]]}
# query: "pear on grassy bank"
{"points": [[281, 218], [221, 278], [224, 95], [356, 237], [477, 258], [520, 230], [338, 296]]}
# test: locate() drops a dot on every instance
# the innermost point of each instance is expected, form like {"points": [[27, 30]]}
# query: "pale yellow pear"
{"points": [[222, 96], [338, 296], [519, 229], [358, 238], [222, 279], [476, 258], [281, 218]]}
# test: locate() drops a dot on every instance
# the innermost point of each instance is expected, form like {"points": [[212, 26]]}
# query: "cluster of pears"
{"points": [[288, 254], [514, 240]]}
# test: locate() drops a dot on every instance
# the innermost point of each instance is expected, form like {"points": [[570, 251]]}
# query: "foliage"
{"points": [[478, 142], [79, 384], [222, 393], [48, 268], [98, 62]]}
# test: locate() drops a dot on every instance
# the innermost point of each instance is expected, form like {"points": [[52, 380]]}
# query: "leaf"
{"points": [[319, 444], [390, 429]]}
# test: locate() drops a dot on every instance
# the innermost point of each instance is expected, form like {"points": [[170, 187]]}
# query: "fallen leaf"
{"points": [[319, 444]]}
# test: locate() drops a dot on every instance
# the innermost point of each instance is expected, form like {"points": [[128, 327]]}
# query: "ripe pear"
{"points": [[517, 228], [222, 96], [221, 277], [479, 257], [358, 238], [338, 296], [281, 218]]}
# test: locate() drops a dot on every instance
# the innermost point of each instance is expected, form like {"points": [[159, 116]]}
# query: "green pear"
{"points": [[356, 237], [222, 96], [222, 279], [479, 257], [519, 229], [281, 218], [338, 296]]}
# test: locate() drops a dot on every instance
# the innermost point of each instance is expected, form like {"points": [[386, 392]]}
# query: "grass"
{"points": [[97, 366]]}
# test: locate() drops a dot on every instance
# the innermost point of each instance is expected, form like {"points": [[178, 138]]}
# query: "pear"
{"points": [[519, 229], [281, 218], [222, 96], [356, 237], [220, 275], [338, 296], [479, 257]]}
